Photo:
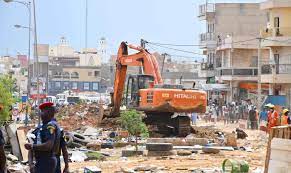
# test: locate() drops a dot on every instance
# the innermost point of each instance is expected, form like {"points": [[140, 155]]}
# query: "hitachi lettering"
{"points": [[184, 96]]}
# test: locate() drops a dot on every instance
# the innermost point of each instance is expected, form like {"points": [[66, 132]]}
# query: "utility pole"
{"points": [[163, 64], [86, 29], [36, 55], [259, 74]]}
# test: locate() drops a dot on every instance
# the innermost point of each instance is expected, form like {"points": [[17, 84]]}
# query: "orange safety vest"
{"points": [[272, 119], [284, 120]]}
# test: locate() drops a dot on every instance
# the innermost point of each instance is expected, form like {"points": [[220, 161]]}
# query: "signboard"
{"points": [[42, 88]]}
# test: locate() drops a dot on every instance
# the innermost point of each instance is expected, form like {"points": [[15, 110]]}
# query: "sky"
{"points": [[162, 21]]}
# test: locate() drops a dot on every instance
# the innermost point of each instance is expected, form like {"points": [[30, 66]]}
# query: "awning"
{"points": [[214, 87]]}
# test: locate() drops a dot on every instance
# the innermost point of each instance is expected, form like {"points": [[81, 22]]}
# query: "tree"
{"points": [[131, 120], [6, 98]]}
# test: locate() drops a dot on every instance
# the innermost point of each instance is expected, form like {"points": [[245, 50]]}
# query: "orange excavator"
{"points": [[165, 105]]}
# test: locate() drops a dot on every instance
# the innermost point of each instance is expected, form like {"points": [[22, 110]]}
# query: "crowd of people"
{"points": [[232, 112]]}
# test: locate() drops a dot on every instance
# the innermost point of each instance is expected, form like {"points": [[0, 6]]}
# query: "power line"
{"points": [[179, 50], [193, 45], [175, 55]]}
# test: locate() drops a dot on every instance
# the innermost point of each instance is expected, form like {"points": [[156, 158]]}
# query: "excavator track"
{"points": [[168, 124]]}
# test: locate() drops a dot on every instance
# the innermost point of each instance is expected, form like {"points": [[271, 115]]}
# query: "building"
{"points": [[227, 19], [237, 66], [277, 38], [62, 68]]}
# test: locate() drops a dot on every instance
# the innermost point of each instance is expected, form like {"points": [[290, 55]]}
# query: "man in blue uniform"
{"points": [[2, 154], [47, 142]]}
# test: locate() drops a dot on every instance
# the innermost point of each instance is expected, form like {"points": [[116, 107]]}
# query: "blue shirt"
{"points": [[264, 115]]}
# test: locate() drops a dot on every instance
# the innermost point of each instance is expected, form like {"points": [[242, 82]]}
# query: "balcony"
{"points": [[276, 36], [282, 73], [236, 73], [206, 10], [207, 40]]}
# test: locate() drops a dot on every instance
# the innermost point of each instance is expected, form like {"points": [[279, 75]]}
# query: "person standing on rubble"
{"points": [[46, 144], [2, 154]]}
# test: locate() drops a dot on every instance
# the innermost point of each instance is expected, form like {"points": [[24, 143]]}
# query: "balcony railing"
{"points": [[209, 8], [277, 32], [207, 37], [279, 69], [238, 72]]}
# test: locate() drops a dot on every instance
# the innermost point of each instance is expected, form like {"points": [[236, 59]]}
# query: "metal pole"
{"points": [[259, 75], [86, 28], [28, 67], [36, 54], [163, 64]]}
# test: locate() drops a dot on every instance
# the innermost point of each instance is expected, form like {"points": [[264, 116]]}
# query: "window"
{"points": [[89, 73], [86, 86], [74, 85], [66, 75], [254, 62], [210, 28], [96, 73], [57, 85], [66, 85], [95, 86], [75, 75]]}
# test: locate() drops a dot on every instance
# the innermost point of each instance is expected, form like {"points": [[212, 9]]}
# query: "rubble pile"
{"points": [[74, 116]]}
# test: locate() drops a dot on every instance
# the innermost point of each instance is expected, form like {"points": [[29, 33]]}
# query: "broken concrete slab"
{"points": [[184, 153], [130, 153], [159, 146], [180, 141], [210, 150], [160, 153]]}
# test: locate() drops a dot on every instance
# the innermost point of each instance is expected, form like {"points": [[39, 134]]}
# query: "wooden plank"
{"points": [[279, 167], [268, 153], [22, 140]]}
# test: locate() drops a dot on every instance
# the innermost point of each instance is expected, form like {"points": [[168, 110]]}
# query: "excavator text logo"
{"points": [[184, 96]]}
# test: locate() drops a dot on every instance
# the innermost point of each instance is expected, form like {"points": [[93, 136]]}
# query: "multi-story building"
{"points": [[277, 38], [68, 69], [227, 19], [237, 66]]}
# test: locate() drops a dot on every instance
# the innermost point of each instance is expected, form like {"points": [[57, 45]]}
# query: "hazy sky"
{"points": [[165, 21]]}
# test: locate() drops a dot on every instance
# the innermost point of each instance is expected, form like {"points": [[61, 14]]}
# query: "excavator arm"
{"points": [[143, 59]]}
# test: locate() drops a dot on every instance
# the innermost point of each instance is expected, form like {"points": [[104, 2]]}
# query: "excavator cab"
{"points": [[134, 84]]}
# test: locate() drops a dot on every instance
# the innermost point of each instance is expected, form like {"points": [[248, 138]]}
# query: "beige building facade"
{"points": [[227, 19], [276, 36]]}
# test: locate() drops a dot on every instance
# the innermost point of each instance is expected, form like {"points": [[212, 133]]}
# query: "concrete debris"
{"points": [[150, 168], [78, 156], [90, 131], [159, 146], [210, 150], [184, 153], [130, 153], [12, 158], [190, 140], [18, 168], [92, 169]]}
